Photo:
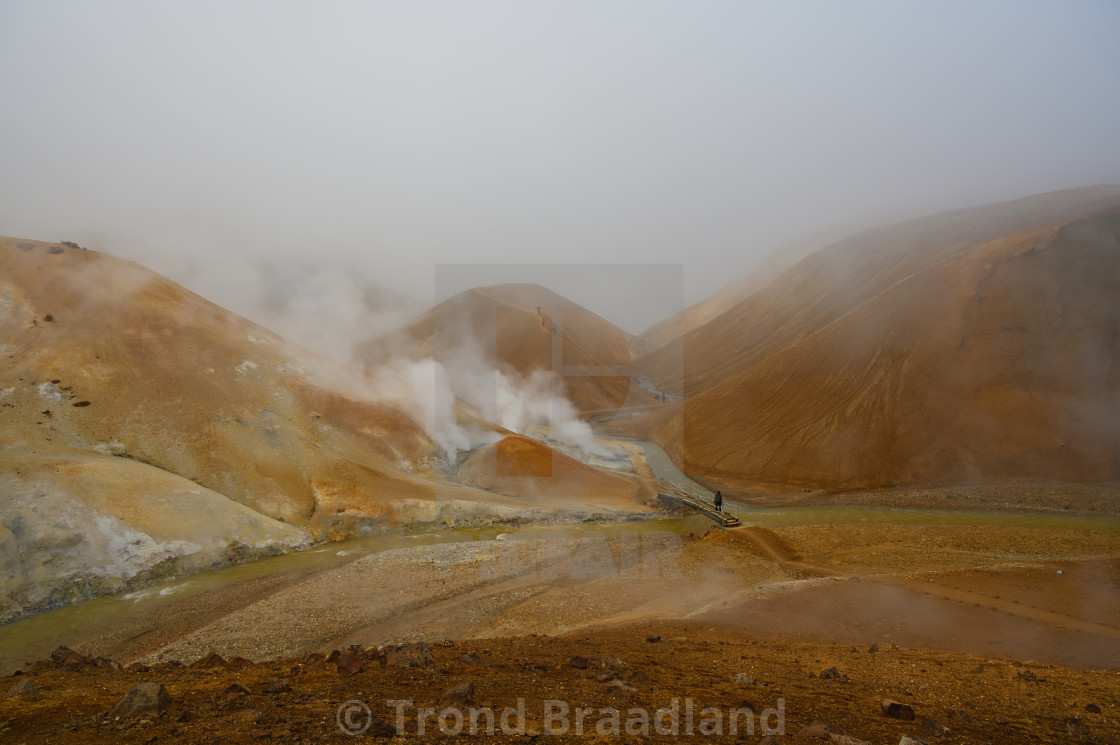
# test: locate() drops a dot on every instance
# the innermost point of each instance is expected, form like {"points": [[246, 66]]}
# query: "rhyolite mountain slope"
{"points": [[976, 344], [147, 432]]}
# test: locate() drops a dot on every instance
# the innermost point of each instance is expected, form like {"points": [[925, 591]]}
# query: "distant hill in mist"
{"points": [[502, 325], [976, 344]]}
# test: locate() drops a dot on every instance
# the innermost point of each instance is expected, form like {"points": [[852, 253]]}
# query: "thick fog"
{"points": [[293, 159]]}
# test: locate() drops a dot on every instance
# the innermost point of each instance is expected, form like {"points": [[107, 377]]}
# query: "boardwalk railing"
{"points": [[667, 492]]}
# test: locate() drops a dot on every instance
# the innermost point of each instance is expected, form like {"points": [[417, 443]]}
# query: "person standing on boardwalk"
{"points": [[719, 501]]}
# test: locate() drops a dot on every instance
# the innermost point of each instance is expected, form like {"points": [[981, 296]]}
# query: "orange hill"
{"points": [[523, 467], [502, 320], [975, 344], [147, 432]]}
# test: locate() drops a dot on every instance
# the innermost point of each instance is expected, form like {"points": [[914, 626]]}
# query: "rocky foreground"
{"points": [[632, 681]]}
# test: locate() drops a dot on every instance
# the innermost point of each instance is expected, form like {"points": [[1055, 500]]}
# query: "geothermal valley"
{"points": [[211, 534]]}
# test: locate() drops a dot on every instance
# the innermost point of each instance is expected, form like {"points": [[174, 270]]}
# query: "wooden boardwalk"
{"points": [[666, 492]]}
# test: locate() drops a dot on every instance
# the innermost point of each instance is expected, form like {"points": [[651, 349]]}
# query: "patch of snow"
{"points": [[246, 366]]}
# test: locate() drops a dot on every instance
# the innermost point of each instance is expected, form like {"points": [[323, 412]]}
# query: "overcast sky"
{"points": [[230, 143]]}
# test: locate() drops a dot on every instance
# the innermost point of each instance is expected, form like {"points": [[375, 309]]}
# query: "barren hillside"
{"points": [[976, 344]]}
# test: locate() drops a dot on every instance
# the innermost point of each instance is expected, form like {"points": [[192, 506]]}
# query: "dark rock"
{"points": [[280, 685], [24, 688], [137, 667], [977, 669], [1027, 675], [185, 716], [378, 727], [457, 695], [873, 648], [239, 662], [912, 741], [1075, 727], [933, 727], [142, 699], [211, 660], [618, 686], [579, 663], [348, 663], [410, 655], [233, 701], [105, 663], [653, 638], [896, 710], [1092, 708], [639, 676], [831, 674], [471, 659], [235, 689]]}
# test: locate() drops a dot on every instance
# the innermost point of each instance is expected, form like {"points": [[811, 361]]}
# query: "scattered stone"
{"points": [[744, 679], [1075, 727], [410, 655], [873, 648], [137, 667], [239, 662], [977, 669], [579, 663], [211, 660], [639, 676], [820, 730], [653, 638], [105, 663], [458, 695], [831, 674], [912, 741], [444, 643], [24, 688], [1092, 708], [378, 727], [56, 249], [280, 685], [350, 664], [185, 716], [142, 699], [1027, 675], [471, 659], [618, 686], [234, 689], [933, 727], [896, 710]]}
